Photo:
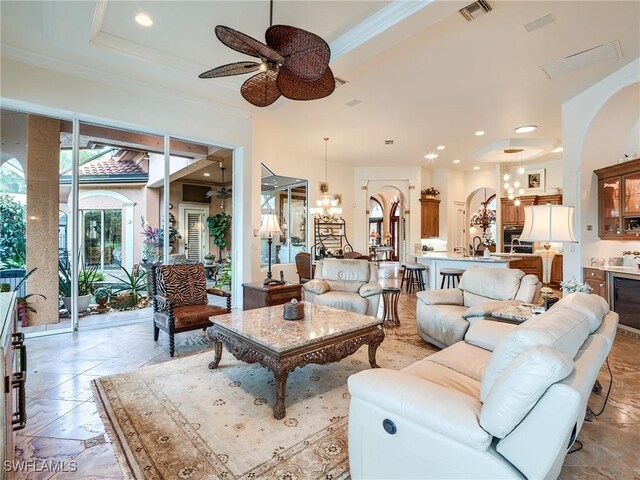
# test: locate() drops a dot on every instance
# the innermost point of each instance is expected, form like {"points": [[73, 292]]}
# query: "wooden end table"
{"points": [[258, 295], [390, 297], [262, 336]]}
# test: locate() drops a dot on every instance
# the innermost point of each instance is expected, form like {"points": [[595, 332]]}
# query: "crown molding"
{"points": [[127, 83], [377, 23]]}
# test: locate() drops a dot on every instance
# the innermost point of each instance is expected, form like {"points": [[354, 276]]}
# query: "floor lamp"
{"points": [[548, 223], [269, 227]]}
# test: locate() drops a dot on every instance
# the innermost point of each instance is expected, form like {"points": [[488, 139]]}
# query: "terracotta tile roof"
{"points": [[110, 166]]}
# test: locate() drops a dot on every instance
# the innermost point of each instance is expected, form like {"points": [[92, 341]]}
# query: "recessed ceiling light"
{"points": [[557, 150], [143, 19], [441, 147], [479, 133], [456, 161], [476, 168], [206, 174], [431, 156], [526, 129]]}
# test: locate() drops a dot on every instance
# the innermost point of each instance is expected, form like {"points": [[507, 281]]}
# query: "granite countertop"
{"points": [[502, 258], [612, 269]]}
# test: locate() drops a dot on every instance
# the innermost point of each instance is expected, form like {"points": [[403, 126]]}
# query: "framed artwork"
{"points": [[534, 180]]}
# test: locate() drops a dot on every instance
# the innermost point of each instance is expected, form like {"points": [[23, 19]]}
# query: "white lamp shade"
{"points": [[548, 223], [270, 225]]}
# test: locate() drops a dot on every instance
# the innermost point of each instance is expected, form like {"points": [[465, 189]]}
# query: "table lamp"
{"points": [[548, 223], [268, 227]]}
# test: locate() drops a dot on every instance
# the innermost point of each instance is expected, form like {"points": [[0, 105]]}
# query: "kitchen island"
{"points": [[437, 260]]}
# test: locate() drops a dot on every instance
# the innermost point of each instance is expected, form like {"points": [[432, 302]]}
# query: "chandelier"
{"points": [[484, 217], [514, 191], [327, 208]]}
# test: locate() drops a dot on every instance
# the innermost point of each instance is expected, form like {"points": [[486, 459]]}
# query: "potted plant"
{"points": [[209, 259], [571, 286], [23, 306], [431, 192], [133, 284], [86, 278], [218, 226], [223, 281], [102, 297]]}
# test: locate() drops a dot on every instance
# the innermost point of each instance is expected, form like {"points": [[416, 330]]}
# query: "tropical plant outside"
{"points": [[87, 277], [218, 226], [134, 282], [224, 279], [13, 224]]}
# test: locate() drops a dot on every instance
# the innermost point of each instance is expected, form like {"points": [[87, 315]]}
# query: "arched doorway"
{"points": [[387, 222], [481, 208]]}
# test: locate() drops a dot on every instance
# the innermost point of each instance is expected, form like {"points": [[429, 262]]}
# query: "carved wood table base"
{"points": [[282, 363]]}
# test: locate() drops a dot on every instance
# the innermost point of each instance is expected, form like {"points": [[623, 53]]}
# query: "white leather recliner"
{"points": [[505, 403], [444, 315], [345, 284]]}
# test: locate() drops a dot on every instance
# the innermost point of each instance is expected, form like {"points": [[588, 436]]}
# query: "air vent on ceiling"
{"points": [[388, 142], [353, 102], [475, 10], [593, 56], [539, 22]]}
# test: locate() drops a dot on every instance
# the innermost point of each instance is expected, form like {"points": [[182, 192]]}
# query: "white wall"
{"points": [[47, 92], [598, 126]]}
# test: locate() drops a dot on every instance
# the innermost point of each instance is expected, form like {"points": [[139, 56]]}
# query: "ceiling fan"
{"points": [[294, 63], [223, 193]]}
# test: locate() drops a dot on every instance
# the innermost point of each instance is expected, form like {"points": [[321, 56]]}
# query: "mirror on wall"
{"points": [[286, 198]]}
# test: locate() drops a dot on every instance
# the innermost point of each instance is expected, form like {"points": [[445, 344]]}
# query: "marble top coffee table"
{"points": [[262, 336]]}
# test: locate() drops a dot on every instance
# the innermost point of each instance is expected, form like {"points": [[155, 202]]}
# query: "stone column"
{"points": [[42, 175]]}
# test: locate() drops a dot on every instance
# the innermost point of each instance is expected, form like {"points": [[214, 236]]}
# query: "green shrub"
{"points": [[13, 225]]}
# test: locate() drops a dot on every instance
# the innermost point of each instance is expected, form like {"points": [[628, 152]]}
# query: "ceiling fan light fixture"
{"points": [[294, 64]]}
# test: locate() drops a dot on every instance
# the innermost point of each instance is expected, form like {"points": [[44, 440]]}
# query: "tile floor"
{"points": [[63, 424]]}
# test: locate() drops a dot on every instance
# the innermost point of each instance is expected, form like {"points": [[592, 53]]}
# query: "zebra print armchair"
{"points": [[180, 300]]}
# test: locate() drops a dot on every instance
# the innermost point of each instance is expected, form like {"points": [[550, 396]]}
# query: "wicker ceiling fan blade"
{"points": [[238, 68], [243, 43], [261, 90], [306, 55], [293, 87]]}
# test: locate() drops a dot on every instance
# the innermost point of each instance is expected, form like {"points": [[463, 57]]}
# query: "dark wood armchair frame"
{"points": [[163, 309]]}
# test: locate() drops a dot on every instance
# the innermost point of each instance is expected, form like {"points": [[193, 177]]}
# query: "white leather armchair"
{"points": [[346, 284], [444, 315], [505, 403]]}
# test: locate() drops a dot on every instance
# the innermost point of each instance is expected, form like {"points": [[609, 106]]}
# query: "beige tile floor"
{"points": [[63, 424]]}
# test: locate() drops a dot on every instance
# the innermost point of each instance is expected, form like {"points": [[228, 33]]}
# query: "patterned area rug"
{"points": [[181, 420]]}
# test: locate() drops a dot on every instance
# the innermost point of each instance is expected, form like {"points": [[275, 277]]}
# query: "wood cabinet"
{"points": [[619, 200], [597, 280], [513, 215], [257, 295], [430, 217], [556, 272], [529, 265], [533, 265]]}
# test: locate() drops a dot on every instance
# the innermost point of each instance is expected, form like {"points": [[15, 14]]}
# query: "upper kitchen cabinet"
{"points": [[619, 200], [513, 215], [430, 217]]}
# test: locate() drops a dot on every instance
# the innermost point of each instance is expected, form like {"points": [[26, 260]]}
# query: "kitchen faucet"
{"points": [[515, 239], [473, 245]]}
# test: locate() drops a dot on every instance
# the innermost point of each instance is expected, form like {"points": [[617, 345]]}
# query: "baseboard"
{"points": [[629, 332]]}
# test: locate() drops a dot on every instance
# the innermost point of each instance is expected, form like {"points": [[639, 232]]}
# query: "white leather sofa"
{"points": [[505, 403], [444, 315], [346, 284]]}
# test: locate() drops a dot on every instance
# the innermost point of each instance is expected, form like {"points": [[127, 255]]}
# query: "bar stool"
{"points": [[452, 277], [414, 276]]}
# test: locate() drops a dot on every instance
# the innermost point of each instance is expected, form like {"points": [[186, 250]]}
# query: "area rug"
{"points": [[181, 420]]}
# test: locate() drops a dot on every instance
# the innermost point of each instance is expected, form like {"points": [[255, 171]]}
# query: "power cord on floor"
{"points": [[606, 398], [574, 450]]}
